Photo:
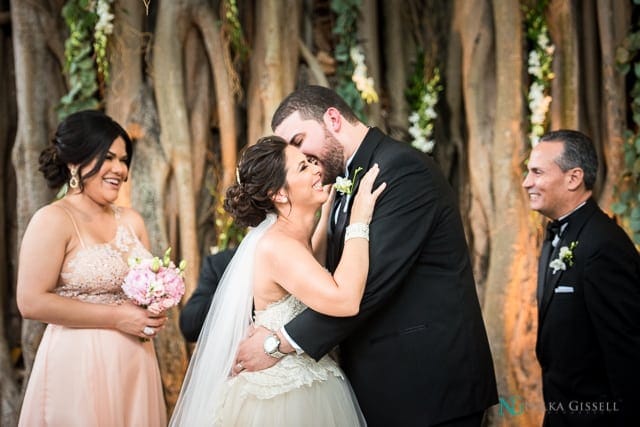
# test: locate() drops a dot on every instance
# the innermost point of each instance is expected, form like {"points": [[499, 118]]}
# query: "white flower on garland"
{"points": [[539, 106], [364, 84], [422, 120], [105, 17], [539, 102]]}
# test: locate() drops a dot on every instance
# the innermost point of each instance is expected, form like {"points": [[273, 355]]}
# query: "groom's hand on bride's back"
{"points": [[251, 353]]}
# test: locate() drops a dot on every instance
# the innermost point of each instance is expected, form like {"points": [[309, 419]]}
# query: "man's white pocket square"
{"points": [[563, 290]]}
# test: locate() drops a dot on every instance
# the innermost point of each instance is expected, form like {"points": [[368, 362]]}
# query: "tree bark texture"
{"points": [[368, 27], [395, 38], [274, 62], [613, 22], [36, 41], [509, 301], [567, 102]]}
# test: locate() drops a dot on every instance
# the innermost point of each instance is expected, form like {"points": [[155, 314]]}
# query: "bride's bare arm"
{"points": [[294, 268]]}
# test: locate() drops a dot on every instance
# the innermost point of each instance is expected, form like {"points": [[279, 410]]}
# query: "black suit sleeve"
{"points": [[195, 311], [612, 298], [405, 214]]}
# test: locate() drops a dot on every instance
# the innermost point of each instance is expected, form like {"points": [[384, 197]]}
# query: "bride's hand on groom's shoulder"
{"points": [[251, 355], [363, 204]]}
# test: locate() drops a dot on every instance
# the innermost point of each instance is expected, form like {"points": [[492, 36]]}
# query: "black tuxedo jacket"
{"points": [[195, 311], [417, 353], [589, 326]]}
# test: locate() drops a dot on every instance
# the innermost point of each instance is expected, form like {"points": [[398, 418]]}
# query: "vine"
{"points": [[235, 49], [422, 96], [539, 68], [627, 192], [353, 84], [233, 29], [86, 63], [103, 28]]}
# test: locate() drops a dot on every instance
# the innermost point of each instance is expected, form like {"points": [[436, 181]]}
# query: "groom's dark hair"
{"points": [[312, 102]]}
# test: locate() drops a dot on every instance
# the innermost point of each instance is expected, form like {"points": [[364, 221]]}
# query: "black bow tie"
{"points": [[554, 228]]}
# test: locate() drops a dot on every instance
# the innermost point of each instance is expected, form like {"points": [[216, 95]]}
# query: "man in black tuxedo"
{"points": [[417, 353], [588, 292], [195, 310]]}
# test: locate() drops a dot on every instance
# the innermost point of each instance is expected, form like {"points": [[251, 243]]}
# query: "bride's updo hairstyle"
{"points": [[261, 173], [79, 139]]}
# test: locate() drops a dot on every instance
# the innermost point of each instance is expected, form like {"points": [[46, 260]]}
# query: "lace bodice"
{"points": [[95, 273], [294, 370], [279, 313]]}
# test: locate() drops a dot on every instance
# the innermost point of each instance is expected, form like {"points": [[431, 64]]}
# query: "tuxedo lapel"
{"points": [[576, 222], [337, 203], [550, 279], [542, 270], [342, 214], [362, 159]]}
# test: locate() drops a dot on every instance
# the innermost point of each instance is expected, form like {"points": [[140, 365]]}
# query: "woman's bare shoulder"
{"points": [[275, 244], [51, 221]]}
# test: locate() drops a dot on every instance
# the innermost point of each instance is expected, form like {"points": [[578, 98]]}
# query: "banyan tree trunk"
{"points": [[38, 61]]}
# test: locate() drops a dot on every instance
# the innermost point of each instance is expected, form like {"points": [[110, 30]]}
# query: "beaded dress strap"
{"points": [[117, 210], [75, 226]]}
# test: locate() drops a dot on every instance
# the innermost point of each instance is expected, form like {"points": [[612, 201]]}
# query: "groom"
{"points": [[588, 292], [417, 354]]}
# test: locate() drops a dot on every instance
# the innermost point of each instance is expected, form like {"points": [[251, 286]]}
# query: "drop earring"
{"points": [[73, 182]]}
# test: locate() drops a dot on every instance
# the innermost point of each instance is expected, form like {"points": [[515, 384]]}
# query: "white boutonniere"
{"points": [[344, 185], [565, 256]]}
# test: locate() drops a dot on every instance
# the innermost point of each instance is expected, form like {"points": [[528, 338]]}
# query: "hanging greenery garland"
{"points": [[627, 192], [86, 63], [422, 96], [233, 29], [103, 28], [353, 83], [539, 68]]}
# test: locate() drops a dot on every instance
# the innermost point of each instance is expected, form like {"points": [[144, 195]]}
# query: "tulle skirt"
{"points": [[93, 377], [327, 403]]}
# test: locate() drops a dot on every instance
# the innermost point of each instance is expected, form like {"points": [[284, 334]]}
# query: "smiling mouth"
{"points": [[113, 181]]}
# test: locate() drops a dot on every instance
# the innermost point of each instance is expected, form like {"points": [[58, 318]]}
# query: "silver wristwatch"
{"points": [[271, 346]]}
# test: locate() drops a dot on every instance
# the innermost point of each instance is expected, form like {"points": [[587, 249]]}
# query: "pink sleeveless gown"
{"points": [[95, 377]]}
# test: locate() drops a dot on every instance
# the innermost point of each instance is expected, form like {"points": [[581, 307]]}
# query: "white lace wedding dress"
{"points": [[297, 391]]}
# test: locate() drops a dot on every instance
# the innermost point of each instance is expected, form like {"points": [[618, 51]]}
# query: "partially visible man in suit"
{"points": [[417, 353], [588, 292], [195, 311]]}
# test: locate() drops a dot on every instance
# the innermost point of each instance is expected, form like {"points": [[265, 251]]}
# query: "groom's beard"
{"points": [[332, 159]]}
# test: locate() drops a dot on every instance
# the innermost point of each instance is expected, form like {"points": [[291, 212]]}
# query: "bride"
{"points": [[275, 271]]}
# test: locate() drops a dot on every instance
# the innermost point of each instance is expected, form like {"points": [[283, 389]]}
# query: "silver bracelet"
{"points": [[357, 230]]}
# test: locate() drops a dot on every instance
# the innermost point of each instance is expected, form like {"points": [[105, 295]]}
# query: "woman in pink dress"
{"points": [[92, 367]]}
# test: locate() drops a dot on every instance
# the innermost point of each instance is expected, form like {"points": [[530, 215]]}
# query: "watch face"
{"points": [[271, 344]]}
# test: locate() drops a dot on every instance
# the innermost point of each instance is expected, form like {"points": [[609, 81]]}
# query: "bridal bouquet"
{"points": [[154, 283]]}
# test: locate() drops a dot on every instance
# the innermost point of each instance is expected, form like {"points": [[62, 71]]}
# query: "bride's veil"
{"points": [[225, 326]]}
